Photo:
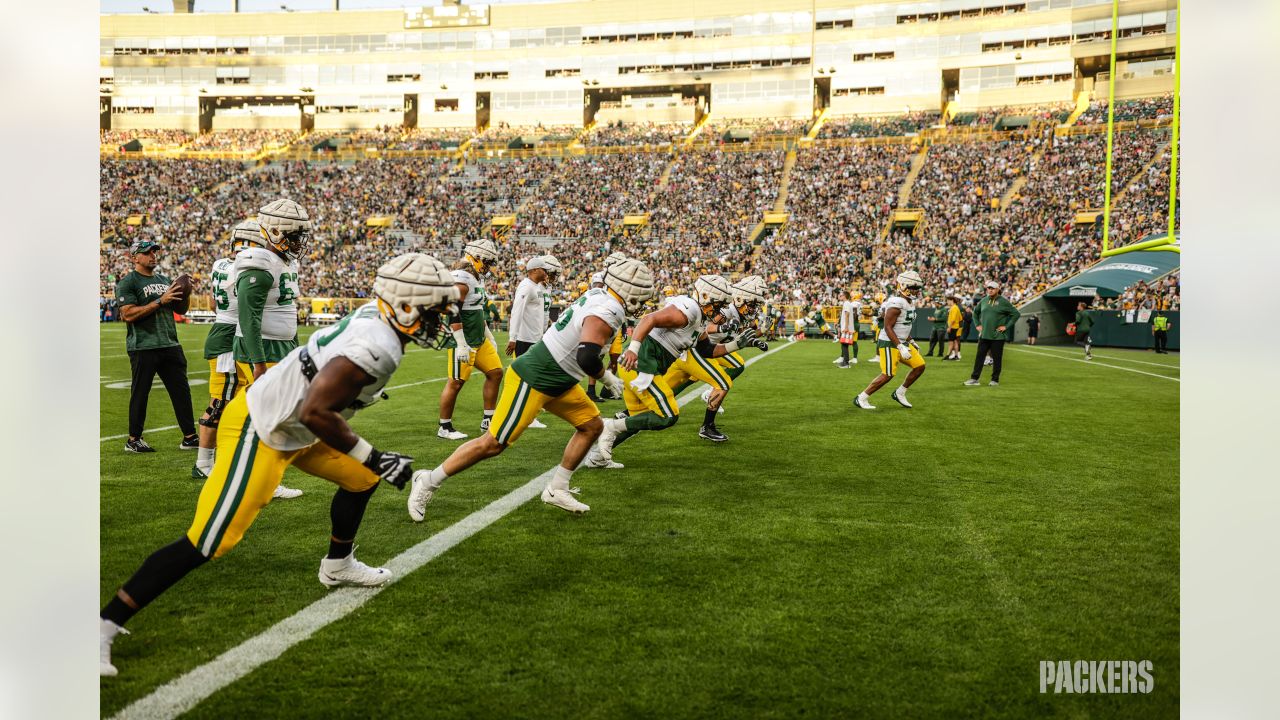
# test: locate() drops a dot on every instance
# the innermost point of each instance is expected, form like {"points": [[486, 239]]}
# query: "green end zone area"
{"points": [[825, 562]]}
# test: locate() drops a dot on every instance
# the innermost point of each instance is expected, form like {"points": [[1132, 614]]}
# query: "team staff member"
{"points": [[473, 342], [849, 328], [296, 414], [1160, 332], [955, 323], [938, 333], [994, 317], [1033, 329], [1084, 324], [530, 308], [147, 303]]}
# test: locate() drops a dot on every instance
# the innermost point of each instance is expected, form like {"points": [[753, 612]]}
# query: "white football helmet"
{"points": [[552, 266], [483, 253], [748, 295], [632, 281], [597, 280], [247, 234], [414, 293], [286, 227], [909, 282], [713, 292], [614, 257]]}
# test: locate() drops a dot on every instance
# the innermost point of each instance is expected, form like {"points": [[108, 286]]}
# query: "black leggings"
{"points": [[171, 365]]}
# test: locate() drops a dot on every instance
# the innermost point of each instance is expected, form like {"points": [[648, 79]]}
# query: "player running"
{"points": [[219, 346], [266, 282], [615, 347], [658, 340], [296, 414], [894, 343], [549, 376], [473, 344], [531, 308]]}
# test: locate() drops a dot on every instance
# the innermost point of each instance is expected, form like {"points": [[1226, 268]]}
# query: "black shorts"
{"points": [[522, 347], [1033, 333], [952, 333], [1082, 338]]}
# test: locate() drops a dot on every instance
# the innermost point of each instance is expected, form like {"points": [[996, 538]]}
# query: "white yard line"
{"points": [[1169, 366], [185, 692], [1094, 362]]}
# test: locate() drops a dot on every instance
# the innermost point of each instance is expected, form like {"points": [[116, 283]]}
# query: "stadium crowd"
{"points": [[1134, 109], [892, 126], [619, 133]]}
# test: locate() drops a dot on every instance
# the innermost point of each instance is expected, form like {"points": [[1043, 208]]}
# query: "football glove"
{"points": [[761, 345], [904, 351], [392, 467], [462, 353], [612, 383], [746, 337]]}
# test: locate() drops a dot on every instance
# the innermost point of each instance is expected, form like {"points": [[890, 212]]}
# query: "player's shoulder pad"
{"points": [[464, 277], [256, 259], [373, 346]]}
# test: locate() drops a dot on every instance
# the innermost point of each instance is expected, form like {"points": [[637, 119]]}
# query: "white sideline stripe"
{"points": [[174, 427], [1096, 363], [185, 692], [1167, 366]]}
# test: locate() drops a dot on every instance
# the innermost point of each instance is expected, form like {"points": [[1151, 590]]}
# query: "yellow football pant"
{"points": [[483, 358], [656, 398], [889, 358], [519, 404], [246, 473], [244, 375], [222, 385], [694, 366]]}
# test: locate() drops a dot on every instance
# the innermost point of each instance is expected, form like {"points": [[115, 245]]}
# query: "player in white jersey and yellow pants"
{"points": [[219, 346], [894, 344], [473, 344], [531, 308], [296, 415], [549, 376]]}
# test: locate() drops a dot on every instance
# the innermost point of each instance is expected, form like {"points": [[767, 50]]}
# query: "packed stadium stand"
{"points": [[964, 177]]}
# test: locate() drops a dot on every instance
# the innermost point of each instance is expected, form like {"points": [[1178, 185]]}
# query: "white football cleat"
{"points": [[285, 493], [853, 361], [564, 499], [604, 446], [901, 396], [971, 382], [420, 494], [594, 460], [988, 361], [107, 632], [863, 402], [536, 424], [705, 396], [445, 433], [838, 361], [350, 571], [484, 425]]}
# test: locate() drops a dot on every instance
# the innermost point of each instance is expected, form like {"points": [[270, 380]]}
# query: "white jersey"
{"points": [[906, 318], [529, 311], [223, 280], [562, 339], [677, 340], [849, 315], [275, 399], [279, 315], [475, 290]]}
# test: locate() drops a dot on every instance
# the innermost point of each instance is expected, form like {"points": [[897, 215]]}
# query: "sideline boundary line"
{"points": [[188, 690], [1033, 348], [1095, 362]]}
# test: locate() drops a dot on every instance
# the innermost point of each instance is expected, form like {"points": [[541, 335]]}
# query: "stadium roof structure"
{"points": [[1113, 275]]}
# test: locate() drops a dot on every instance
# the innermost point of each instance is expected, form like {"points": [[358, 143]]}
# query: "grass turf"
{"points": [[825, 562]]}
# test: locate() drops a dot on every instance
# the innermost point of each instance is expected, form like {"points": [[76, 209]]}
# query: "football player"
{"points": [[530, 308], [473, 342], [549, 376], [894, 343], [266, 277], [719, 373], [615, 346], [659, 338], [296, 414], [849, 328], [219, 345]]}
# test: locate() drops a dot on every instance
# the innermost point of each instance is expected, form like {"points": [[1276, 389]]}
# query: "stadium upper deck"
{"points": [[573, 62]]}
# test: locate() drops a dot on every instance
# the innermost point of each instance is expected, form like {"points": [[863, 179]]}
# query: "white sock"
{"points": [[436, 477], [560, 481], [204, 459], [488, 413], [862, 396], [902, 389], [615, 424], [446, 421]]}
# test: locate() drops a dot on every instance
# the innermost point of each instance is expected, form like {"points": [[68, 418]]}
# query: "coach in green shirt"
{"points": [[147, 303], [994, 317]]}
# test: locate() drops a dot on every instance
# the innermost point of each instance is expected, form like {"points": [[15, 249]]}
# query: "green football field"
{"points": [[825, 562]]}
